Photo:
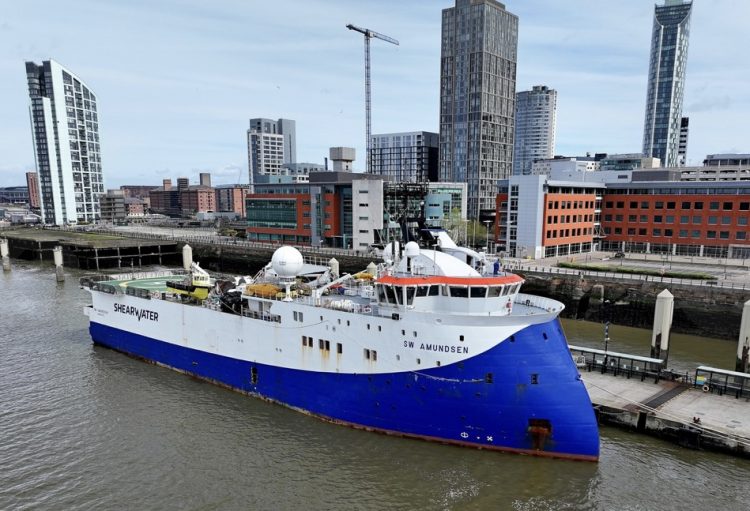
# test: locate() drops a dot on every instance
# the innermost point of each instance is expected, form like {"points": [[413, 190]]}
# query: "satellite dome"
{"points": [[411, 249], [287, 262]]}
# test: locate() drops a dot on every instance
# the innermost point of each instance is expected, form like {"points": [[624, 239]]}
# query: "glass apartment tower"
{"points": [[406, 157], [477, 99], [65, 132], [666, 81], [536, 113]]}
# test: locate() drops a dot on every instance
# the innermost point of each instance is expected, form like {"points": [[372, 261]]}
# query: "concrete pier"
{"points": [[58, 258], [4, 254], [743, 346], [673, 411], [662, 326]]}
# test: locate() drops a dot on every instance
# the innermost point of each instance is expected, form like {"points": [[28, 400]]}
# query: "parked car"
{"points": [[619, 255]]}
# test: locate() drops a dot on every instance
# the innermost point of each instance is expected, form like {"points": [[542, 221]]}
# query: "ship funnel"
{"points": [[187, 257]]}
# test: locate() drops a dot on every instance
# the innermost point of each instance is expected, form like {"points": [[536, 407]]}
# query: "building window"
{"points": [[642, 231], [684, 219], [644, 205], [726, 220], [657, 232], [711, 235], [724, 235], [659, 205], [657, 219], [742, 220], [714, 205], [695, 234], [697, 219], [740, 235], [713, 220], [685, 205], [683, 233], [727, 206], [698, 205]]}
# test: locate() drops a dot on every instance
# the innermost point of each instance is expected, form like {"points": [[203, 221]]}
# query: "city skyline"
{"points": [[197, 76]]}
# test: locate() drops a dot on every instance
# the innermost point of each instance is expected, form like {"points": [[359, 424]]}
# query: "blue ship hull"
{"points": [[524, 395]]}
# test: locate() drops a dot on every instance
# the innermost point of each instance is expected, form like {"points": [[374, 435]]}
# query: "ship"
{"points": [[436, 344]]}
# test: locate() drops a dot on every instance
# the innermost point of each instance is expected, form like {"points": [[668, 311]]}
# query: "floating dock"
{"points": [[708, 409]]}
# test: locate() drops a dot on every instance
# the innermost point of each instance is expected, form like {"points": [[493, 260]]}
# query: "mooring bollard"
{"points": [[57, 255], [4, 254]]}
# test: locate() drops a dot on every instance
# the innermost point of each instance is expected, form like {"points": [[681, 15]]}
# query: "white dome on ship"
{"points": [[389, 250], [287, 262], [411, 249]]}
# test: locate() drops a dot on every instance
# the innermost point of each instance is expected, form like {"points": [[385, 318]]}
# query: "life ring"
{"points": [[366, 309], [706, 388]]}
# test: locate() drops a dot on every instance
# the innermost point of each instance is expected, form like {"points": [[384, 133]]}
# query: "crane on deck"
{"points": [[369, 34]]}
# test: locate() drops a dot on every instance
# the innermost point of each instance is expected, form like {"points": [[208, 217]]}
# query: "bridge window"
{"points": [[495, 291], [422, 290], [478, 292], [390, 295], [434, 290], [460, 292], [398, 292], [410, 295], [381, 293]]}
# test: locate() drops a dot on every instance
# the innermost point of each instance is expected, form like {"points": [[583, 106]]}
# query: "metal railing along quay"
{"points": [[554, 270]]}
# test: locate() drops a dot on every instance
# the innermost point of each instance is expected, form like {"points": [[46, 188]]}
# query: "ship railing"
{"points": [[545, 305]]}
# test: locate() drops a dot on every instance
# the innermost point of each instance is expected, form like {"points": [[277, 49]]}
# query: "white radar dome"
{"points": [[411, 249], [287, 262]]}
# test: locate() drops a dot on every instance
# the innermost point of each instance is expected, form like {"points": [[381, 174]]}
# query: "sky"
{"points": [[178, 80]]}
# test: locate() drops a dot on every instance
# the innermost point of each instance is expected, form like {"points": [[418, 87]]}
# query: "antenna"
{"points": [[369, 34]]}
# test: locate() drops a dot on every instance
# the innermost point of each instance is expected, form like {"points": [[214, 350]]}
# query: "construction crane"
{"points": [[369, 34]]}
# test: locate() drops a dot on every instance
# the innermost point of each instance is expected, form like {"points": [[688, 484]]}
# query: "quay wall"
{"points": [[705, 310]]}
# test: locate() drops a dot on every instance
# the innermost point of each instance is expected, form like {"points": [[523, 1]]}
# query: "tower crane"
{"points": [[369, 34]]}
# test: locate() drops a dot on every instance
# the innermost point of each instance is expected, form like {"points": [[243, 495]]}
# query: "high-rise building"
{"points": [[477, 98], [204, 178], [666, 81], [682, 151], [536, 114], [406, 157], [32, 182], [65, 132], [270, 144]]}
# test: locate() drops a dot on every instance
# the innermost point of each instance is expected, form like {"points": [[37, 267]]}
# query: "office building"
{"points": [[232, 198], [406, 157], [14, 195], [477, 99], [65, 132], [113, 208], [204, 178], [631, 161], [666, 81], [536, 114], [721, 160]]}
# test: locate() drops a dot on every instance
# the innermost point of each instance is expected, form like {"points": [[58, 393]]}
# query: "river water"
{"points": [[83, 427]]}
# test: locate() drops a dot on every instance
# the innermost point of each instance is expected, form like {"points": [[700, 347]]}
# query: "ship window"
{"points": [[444, 291], [415, 333], [374, 355], [438, 363], [410, 295], [461, 338], [398, 357], [489, 377], [310, 341], [381, 293], [328, 345], [460, 292], [544, 334], [295, 315], [398, 291], [478, 292], [380, 328], [347, 323], [495, 291], [367, 354], [419, 361], [368, 326], [422, 290], [534, 379], [434, 290], [254, 375], [339, 348], [321, 343], [390, 295], [403, 332], [339, 321]]}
